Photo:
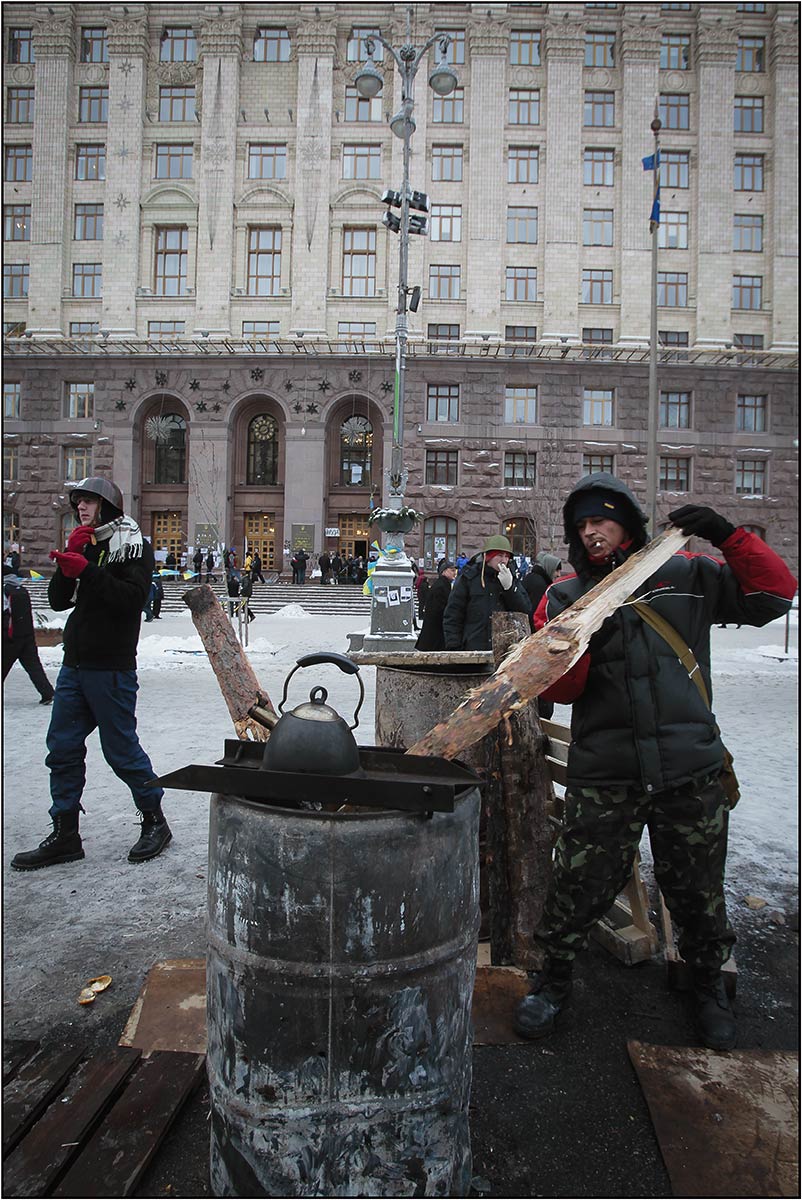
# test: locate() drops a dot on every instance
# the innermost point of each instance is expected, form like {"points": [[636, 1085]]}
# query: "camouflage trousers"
{"points": [[593, 860]]}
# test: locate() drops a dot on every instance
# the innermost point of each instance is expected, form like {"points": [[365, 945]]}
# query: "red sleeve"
{"points": [[756, 567], [571, 685]]}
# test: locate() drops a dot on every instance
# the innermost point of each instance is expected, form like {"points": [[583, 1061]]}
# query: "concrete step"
{"points": [[267, 598]]}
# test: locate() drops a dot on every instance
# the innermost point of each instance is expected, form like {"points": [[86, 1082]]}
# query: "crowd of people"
{"points": [[645, 748]]}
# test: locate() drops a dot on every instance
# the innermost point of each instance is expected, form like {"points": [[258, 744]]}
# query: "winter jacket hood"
{"points": [[636, 528]]}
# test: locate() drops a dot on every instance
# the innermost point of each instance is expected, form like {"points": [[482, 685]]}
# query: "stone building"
{"points": [[200, 293]]}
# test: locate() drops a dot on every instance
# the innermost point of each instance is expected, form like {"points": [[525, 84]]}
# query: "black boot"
{"points": [[715, 1020], [154, 837], [63, 845], [549, 995]]}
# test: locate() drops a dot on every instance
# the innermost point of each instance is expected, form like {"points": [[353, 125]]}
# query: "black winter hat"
{"points": [[600, 502]]}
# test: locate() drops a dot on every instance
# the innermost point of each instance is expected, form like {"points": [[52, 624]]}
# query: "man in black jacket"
{"points": [[645, 747], [104, 576], [431, 634], [486, 585], [19, 636]]}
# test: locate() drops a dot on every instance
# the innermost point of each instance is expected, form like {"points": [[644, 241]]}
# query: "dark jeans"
{"points": [[24, 651], [104, 700]]}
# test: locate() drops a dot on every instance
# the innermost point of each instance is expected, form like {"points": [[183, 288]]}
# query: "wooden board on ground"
{"points": [[170, 1011], [61, 1132], [118, 1154], [496, 992], [28, 1095], [727, 1124], [15, 1053]]}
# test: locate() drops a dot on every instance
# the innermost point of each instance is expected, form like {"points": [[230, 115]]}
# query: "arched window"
{"points": [[263, 451], [439, 541], [170, 459], [356, 452], [521, 532]]}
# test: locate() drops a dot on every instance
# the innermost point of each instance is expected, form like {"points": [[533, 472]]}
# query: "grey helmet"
{"points": [[108, 492]]}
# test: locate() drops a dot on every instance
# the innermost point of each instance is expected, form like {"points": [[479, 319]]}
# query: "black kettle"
{"points": [[313, 739]]}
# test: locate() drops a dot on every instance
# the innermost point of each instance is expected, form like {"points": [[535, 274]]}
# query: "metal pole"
{"points": [[651, 434], [401, 329]]}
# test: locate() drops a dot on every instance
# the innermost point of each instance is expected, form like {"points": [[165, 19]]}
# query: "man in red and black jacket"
{"points": [[645, 748]]}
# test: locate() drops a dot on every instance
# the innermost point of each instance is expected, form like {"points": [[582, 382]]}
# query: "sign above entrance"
{"points": [[332, 531], [303, 538]]}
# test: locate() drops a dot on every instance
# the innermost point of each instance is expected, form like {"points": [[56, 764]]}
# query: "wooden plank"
{"points": [[115, 1158], [27, 1096], [56, 1139], [543, 657], [170, 1011], [560, 733], [15, 1053], [638, 899], [727, 1124]]}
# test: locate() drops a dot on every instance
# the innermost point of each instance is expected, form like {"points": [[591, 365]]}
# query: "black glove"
{"points": [[702, 522]]}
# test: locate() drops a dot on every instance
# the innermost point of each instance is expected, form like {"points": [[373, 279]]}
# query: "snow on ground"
{"points": [[66, 924]]}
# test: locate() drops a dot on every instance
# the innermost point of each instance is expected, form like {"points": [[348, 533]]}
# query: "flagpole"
{"points": [[651, 435]]}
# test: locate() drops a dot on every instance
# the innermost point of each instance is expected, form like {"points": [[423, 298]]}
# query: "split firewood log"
{"points": [[543, 657], [249, 704]]}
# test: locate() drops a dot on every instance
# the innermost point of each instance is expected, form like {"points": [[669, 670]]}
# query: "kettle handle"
{"points": [[336, 660]]}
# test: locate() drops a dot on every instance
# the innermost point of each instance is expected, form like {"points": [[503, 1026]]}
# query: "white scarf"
{"points": [[124, 537]]}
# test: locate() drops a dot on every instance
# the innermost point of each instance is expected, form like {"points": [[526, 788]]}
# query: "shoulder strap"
{"points": [[669, 634]]}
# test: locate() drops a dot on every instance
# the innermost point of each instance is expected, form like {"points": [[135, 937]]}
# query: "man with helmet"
{"points": [[645, 747], [484, 586], [104, 576]]}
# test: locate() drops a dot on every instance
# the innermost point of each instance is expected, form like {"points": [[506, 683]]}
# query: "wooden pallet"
{"points": [[79, 1126]]}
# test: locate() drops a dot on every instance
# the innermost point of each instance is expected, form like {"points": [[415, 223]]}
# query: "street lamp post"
{"points": [[393, 600]]}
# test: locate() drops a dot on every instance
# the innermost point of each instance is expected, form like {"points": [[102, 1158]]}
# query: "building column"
{"points": [[716, 46], [54, 49], [305, 476], [486, 208], [316, 44], [221, 55], [640, 54], [208, 482], [128, 50], [565, 53], [783, 245]]}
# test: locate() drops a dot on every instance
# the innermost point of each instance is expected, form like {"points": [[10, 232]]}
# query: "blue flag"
{"points": [[652, 163]]}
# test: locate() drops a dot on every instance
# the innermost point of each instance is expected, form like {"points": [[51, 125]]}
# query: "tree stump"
{"points": [[518, 837]]}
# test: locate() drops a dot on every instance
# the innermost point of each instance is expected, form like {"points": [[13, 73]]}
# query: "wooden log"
{"points": [[543, 657], [241, 689], [518, 833]]}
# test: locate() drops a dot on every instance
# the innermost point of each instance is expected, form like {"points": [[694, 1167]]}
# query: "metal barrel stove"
{"points": [[341, 960], [343, 916]]}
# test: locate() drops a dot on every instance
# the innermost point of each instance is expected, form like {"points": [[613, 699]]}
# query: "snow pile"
{"points": [[293, 612]]}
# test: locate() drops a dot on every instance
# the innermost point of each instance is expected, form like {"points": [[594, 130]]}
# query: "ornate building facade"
{"points": [[200, 294]]}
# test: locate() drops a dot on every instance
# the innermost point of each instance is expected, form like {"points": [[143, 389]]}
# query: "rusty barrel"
{"points": [[340, 970]]}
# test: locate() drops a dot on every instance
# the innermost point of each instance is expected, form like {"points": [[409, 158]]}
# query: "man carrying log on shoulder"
{"points": [[645, 746]]}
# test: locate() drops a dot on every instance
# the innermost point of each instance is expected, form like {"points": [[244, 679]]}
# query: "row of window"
{"points": [[520, 470], [443, 405], [268, 160], [178, 44], [177, 104], [446, 226], [359, 278], [441, 466]]}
